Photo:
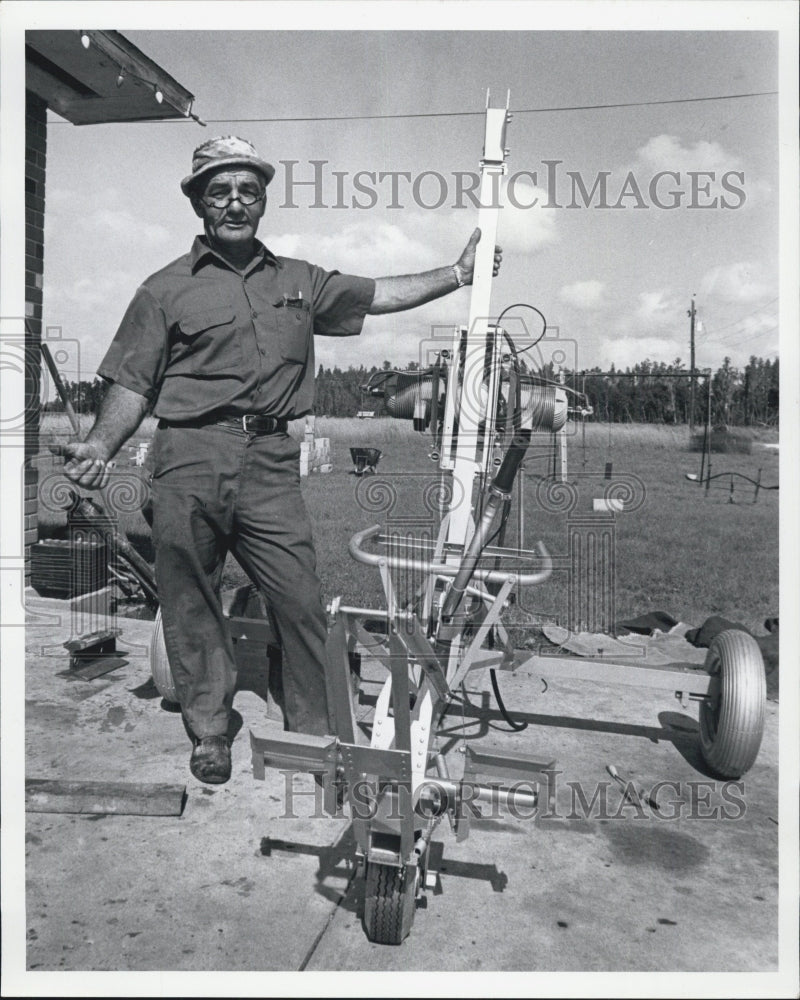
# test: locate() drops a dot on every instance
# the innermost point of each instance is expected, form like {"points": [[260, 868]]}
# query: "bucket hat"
{"points": [[224, 151]]}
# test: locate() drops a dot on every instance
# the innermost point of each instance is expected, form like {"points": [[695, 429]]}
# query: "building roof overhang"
{"points": [[90, 77]]}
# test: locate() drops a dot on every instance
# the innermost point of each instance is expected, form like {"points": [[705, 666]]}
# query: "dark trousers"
{"points": [[215, 490]]}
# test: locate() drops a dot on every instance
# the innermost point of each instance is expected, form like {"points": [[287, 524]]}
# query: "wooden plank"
{"points": [[106, 797]]}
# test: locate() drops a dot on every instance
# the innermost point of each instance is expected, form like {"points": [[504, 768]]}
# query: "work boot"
{"points": [[211, 760]]}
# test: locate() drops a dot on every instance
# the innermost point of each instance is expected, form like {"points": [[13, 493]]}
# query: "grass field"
{"points": [[685, 551]]}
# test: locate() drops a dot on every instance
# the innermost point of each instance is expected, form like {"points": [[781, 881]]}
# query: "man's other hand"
{"points": [[83, 464], [466, 261]]}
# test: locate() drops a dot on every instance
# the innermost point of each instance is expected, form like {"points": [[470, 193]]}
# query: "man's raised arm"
{"points": [[405, 291], [121, 412]]}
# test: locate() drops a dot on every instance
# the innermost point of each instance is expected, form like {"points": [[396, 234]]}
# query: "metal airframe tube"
{"points": [[690, 678], [444, 569], [444, 792]]}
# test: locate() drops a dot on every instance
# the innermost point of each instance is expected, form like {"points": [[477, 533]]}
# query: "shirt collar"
{"points": [[201, 251]]}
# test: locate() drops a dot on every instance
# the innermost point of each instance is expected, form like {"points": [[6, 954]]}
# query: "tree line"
{"points": [[648, 392], [655, 392]]}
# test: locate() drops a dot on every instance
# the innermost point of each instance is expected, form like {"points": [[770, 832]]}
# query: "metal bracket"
{"points": [[391, 765], [293, 750], [479, 766]]}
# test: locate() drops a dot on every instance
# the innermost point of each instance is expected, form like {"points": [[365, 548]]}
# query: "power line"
{"points": [[750, 336], [522, 111], [740, 336], [746, 316], [467, 114]]}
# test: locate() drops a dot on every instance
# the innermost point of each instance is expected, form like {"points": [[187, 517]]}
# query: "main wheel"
{"points": [[159, 664], [390, 902], [731, 726]]}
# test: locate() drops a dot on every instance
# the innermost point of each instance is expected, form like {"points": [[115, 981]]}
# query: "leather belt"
{"points": [[250, 423], [257, 423]]}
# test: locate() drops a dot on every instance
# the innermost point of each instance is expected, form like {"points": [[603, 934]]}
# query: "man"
{"points": [[219, 344]]}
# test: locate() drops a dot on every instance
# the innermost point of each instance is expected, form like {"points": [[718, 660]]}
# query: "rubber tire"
{"points": [[390, 902], [730, 734], [159, 663]]}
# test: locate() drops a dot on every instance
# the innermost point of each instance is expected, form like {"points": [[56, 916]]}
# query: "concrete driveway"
{"points": [[232, 884]]}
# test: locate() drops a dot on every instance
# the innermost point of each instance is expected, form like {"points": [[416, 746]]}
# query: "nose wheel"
{"points": [[390, 901]]}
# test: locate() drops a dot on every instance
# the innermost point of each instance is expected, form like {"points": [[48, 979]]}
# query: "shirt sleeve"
{"points": [[340, 302], [138, 353]]}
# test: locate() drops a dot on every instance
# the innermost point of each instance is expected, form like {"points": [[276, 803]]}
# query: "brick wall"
{"points": [[35, 164]]}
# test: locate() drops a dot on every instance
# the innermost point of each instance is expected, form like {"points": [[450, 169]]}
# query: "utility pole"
{"points": [[691, 314]]}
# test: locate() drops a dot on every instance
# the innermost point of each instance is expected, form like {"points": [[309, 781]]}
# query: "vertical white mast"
{"points": [[471, 410]]}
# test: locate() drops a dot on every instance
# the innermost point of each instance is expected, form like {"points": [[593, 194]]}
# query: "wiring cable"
{"points": [[467, 114], [734, 322], [523, 305]]}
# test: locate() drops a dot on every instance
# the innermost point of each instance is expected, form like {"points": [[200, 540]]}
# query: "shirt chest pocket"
{"points": [[293, 322], [206, 341]]}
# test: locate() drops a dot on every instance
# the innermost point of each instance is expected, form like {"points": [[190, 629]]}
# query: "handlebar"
{"points": [[442, 568]]}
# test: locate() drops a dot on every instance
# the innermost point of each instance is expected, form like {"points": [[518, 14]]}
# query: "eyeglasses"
{"points": [[245, 198]]}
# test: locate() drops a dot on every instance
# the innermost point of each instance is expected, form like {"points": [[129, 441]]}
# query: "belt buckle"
{"points": [[268, 424]]}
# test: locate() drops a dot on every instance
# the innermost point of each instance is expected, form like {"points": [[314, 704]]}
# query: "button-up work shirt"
{"points": [[200, 337]]}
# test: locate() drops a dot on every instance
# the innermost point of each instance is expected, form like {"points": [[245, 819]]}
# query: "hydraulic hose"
{"points": [[497, 492]]}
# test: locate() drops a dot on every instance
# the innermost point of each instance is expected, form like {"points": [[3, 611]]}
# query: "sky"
{"points": [[614, 279]]}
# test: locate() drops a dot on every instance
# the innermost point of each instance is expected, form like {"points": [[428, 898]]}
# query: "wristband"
{"points": [[459, 276]]}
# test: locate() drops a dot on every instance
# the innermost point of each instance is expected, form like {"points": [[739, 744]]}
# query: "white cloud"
{"points": [[583, 294], [655, 309], [624, 352], [754, 325], [755, 333], [364, 247], [652, 328], [522, 229], [663, 166], [739, 282], [420, 238], [667, 152]]}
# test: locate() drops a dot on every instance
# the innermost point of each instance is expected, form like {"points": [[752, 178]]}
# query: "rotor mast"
{"points": [[473, 398]]}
